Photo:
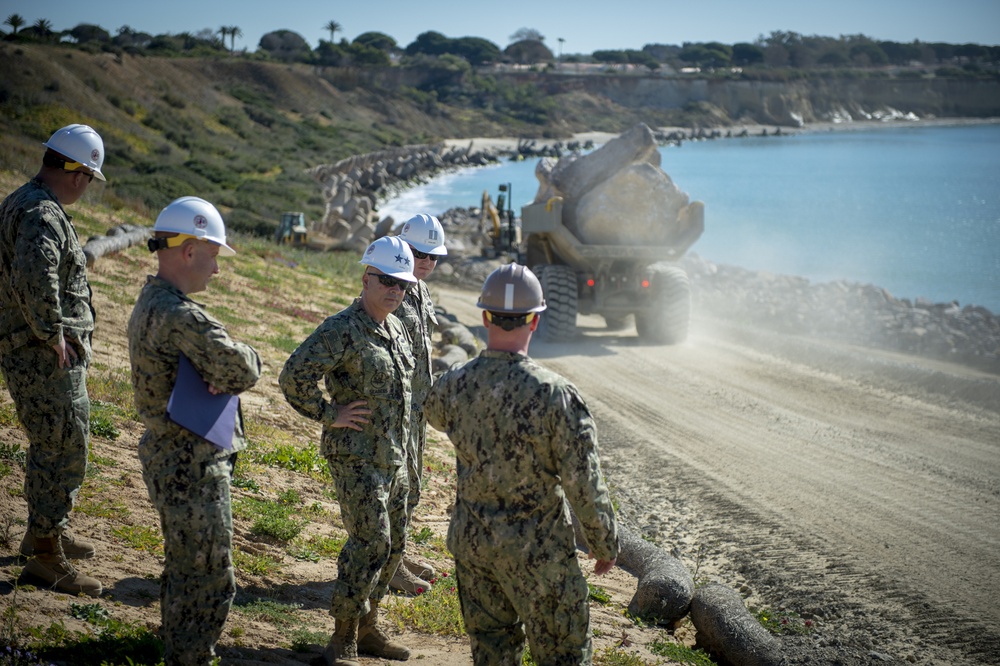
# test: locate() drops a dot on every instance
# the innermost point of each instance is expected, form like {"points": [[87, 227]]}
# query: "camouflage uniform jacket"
{"points": [[526, 448], [358, 359], [417, 314], [44, 291], [165, 323]]}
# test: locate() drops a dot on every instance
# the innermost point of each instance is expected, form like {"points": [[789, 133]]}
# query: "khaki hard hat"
{"points": [[197, 218], [392, 256], [512, 289], [81, 144], [425, 233]]}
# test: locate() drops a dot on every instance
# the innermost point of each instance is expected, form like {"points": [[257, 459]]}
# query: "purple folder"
{"points": [[191, 406]]}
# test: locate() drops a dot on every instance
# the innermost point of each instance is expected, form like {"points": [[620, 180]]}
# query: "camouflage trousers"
{"points": [[373, 508], [198, 582], [547, 595], [53, 406], [415, 458]]}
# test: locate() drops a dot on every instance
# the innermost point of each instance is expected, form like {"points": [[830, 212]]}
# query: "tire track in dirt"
{"points": [[873, 511]]}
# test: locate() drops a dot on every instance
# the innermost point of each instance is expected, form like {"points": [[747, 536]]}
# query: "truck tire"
{"points": [[667, 320], [558, 322]]}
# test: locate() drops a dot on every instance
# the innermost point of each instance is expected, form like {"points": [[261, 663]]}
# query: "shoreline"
{"points": [[599, 138]]}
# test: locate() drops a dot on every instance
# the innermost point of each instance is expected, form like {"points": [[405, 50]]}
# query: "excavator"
{"points": [[292, 230], [498, 223]]}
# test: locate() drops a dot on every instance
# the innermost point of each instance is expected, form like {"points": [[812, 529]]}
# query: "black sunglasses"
{"points": [[389, 282], [417, 254]]}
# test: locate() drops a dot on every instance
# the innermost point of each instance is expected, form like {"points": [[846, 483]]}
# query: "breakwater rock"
{"points": [[353, 187], [861, 314]]}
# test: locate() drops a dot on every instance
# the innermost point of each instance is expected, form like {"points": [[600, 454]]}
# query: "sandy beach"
{"points": [[599, 138]]}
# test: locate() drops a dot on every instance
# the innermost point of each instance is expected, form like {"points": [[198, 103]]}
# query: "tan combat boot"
{"points": [[419, 568], [50, 564], [405, 581], [372, 640], [342, 650], [73, 548]]}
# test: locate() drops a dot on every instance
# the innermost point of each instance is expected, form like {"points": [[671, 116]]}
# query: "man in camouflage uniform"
{"points": [[188, 477], [526, 449], [362, 355], [46, 323], [425, 236]]}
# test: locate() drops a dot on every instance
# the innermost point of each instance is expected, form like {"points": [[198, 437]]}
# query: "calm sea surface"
{"points": [[915, 210]]}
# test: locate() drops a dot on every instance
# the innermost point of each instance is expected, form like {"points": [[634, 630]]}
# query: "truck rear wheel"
{"points": [[667, 320], [558, 322]]}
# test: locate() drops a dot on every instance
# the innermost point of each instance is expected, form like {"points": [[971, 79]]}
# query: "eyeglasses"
{"points": [[90, 176], [389, 282], [417, 254]]}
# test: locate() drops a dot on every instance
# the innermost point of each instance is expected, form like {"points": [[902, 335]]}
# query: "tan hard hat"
{"points": [[512, 289]]}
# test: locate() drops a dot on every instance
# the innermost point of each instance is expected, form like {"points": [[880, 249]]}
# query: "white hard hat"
{"points": [[191, 216], [425, 233], [81, 144], [392, 256]]}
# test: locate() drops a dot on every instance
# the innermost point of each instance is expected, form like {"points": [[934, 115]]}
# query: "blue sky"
{"points": [[584, 25]]}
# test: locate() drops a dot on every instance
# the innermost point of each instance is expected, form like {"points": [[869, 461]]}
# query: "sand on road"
{"points": [[856, 487]]}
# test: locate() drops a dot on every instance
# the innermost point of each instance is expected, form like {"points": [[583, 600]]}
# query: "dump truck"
{"points": [[604, 236]]}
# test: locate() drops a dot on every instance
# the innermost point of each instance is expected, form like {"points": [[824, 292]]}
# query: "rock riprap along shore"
{"points": [[851, 312]]}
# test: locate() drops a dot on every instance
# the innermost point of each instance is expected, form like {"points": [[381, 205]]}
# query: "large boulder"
{"points": [[631, 207], [619, 195]]}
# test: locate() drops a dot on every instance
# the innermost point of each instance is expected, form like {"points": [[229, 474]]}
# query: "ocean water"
{"points": [[912, 209]]}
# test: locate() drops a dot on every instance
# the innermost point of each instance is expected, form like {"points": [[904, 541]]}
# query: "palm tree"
{"points": [[561, 40], [333, 27], [43, 28], [234, 32], [15, 21]]}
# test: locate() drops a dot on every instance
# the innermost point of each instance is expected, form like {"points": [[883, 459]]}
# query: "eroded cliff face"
{"points": [[792, 103]]}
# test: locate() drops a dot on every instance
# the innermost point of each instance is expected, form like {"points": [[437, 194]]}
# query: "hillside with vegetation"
{"points": [[188, 113]]}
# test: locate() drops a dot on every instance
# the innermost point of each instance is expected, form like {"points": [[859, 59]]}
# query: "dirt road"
{"points": [[854, 487]]}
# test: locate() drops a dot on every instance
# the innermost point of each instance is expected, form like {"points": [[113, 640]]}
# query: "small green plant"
{"points": [[664, 646], [423, 536], [257, 565], [290, 456], [140, 537], [268, 610], [322, 546], [435, 612], [598, 594], [99, 504], [8, 415], [110, 641], [101, 420], [91, 613], [782, 622], [270, 518], [616, 656], [303, 639], [244, 482], [14, 453]]}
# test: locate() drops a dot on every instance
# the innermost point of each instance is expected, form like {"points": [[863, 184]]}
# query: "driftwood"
{"points": [[729, 632], [118, 239]]}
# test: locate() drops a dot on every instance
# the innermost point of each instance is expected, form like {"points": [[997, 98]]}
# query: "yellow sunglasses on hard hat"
{"points": [[165, 242]]}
